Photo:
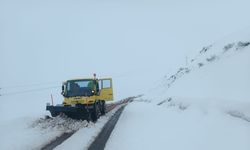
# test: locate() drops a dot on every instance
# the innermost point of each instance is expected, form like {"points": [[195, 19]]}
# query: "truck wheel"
{"points": [[89, 117], [54, 114], [95, 113], [103, 108]]}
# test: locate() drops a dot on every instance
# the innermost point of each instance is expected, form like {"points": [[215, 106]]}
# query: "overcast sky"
{"points": [[134, 41]]}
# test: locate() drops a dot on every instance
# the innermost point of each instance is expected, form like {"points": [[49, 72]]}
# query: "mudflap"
{"points": [[75, 112]]}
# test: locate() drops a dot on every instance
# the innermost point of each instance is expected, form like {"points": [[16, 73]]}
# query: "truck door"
{"points": [[106, 92]]}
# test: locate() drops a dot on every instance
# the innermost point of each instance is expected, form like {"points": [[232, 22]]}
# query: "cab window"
{"points": [[106, 84]]}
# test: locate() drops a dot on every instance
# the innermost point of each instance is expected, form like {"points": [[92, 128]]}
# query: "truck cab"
{"points": [[87, 91]]}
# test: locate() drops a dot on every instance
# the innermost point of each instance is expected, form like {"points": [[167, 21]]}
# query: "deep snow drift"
{"points": [[204, 105]]}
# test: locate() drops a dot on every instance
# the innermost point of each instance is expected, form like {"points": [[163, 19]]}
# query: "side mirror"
{"points": [[63, 90]]}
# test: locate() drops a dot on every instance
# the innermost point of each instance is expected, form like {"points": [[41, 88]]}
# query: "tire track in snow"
{"points": [[102, 138], [64, 136], [59, 140]]}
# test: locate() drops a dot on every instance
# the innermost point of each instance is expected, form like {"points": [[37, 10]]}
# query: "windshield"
{"points": [[80, 88]]}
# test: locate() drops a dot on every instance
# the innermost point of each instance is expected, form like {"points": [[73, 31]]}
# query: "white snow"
{"points": [[199, 107], [148, 126], [18, 134], [85, 136], [137, 41], [32, 133], [207, 107]]}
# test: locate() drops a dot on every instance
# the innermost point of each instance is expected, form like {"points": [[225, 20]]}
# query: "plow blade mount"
{"points": [[74, 112]]}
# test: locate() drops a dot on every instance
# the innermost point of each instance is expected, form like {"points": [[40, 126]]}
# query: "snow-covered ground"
{"points": [[33, 132], [82, 139], [148, 126], [19, 134], [203, 105]]}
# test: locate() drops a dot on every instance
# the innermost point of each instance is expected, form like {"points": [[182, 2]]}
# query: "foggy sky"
{"points": [[136, 42]]}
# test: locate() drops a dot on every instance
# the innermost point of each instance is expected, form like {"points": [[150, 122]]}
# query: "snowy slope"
{"points": [[216, 73], [147, 126], [219, 71], [204, 105]]}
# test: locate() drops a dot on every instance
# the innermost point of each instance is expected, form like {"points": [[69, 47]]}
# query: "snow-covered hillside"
{"points": [[204, 105], [218, 71]]}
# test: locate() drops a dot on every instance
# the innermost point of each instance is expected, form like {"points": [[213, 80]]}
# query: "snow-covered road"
{"points": [[35, 133]]}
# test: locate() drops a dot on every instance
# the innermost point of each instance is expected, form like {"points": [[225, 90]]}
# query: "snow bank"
{"points": [[22, 125], [147, 126], [18, 134]]}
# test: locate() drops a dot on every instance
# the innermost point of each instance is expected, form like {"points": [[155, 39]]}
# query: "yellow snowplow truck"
{"points": [[84, 98]]}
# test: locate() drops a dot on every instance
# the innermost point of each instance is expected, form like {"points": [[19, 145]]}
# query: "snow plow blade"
{"points": [[76, 112]]}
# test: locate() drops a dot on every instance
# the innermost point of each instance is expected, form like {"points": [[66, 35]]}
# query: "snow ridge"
{"points": [[61, 123], [206, 55]]}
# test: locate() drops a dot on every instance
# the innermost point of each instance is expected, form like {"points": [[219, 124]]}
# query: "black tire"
{"points": [[54, 114], [103, 108], [95, 113], [89, 117]]}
